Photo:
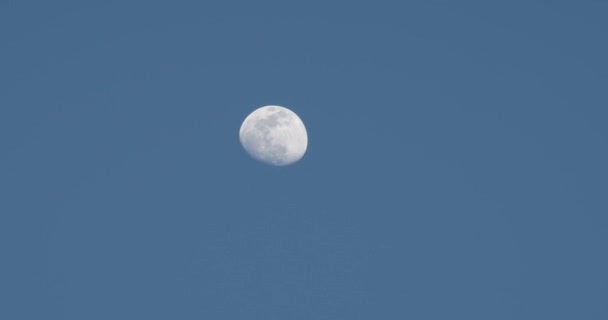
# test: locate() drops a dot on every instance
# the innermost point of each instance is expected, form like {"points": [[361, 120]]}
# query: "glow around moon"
{"points": [[274, 135]]}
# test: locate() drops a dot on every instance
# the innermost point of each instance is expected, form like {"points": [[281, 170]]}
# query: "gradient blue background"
{"points": [[456, 166]]}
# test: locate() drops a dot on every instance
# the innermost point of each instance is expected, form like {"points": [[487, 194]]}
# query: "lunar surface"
{"points": [[274, 135]]}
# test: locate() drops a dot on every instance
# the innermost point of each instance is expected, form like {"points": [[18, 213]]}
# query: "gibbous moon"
{"points": [[274, 135]]}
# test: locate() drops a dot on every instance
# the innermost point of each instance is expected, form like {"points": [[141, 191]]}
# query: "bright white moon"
{"points": [[274, 135]]}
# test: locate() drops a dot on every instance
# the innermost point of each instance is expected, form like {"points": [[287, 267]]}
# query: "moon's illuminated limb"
{"points": [[274, 135]]}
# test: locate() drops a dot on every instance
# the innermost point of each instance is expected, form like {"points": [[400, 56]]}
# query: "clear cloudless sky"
{"points": [[456, 166]]}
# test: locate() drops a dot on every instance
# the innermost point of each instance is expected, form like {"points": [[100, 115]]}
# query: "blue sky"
{"points": [[456, 166]]}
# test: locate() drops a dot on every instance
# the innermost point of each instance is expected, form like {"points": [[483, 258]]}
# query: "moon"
{"points": [[274, 135]]}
